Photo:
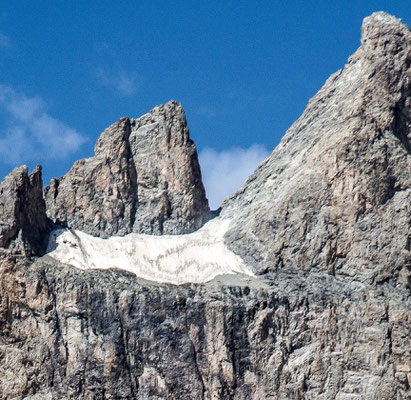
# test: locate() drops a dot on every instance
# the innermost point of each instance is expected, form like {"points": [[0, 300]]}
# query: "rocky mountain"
{"points": [[144, 177], [299, 289], [335, 194]]}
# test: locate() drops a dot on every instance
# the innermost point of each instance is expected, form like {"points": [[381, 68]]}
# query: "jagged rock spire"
{"points": [[144, 177], [23, 222]]}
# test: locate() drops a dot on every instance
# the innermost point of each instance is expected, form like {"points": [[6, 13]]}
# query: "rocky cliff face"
{"points": [[144, 177], [335, 194], [23, 222], [324, 223], [67, 333]]}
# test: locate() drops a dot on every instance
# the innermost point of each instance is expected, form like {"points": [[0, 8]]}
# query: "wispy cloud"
{"points": [[225, 171], [123, 82], [4, 40], [29, 133], [206, 111]]}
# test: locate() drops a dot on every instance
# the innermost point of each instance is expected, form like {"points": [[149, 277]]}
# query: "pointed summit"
{"points": [[143, 178], [382, 27], [338, 184]]}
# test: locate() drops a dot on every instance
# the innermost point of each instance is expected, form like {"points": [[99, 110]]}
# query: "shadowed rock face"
{"points": [[67, 333], [143, 178], [325, 221], [23, 222], [335, 195]]}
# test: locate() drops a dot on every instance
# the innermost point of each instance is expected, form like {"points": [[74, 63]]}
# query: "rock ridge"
{"points": [[335, 194]]}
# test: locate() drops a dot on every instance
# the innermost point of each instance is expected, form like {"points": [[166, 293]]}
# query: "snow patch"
{"points": [[197, 257]]}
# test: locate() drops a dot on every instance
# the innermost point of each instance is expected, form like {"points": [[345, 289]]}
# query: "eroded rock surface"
{"points": [[143, 178], [325, 221], [23, 221], [67, 333], [335, 195]]}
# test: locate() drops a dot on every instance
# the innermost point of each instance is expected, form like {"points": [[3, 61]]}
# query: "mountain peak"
{"points": [[380, 28], [144, 178], [340, 178], [324, 222]]}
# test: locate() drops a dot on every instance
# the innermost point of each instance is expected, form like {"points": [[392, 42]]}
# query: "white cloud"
{"points": [[224, 172], [30, 133], [4, 40], [122, 81], [205, 111]]}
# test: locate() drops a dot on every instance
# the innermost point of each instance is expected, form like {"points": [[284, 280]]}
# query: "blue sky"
{"points": [[243, 71]]}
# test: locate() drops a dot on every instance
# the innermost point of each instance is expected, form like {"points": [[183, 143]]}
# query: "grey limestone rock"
{"points": [[335, 195], [324, 222], [23, 221], [144, 178], [67, 333]]}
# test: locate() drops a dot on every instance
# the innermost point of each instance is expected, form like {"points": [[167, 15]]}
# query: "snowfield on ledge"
{"points": [[196, 257]]}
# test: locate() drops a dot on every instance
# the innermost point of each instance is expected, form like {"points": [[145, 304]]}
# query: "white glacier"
{"points": [[196, 257]]}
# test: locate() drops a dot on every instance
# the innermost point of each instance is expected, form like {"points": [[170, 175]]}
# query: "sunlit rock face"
{"points": [[299, 289], [334, 195], [143, 178]]}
